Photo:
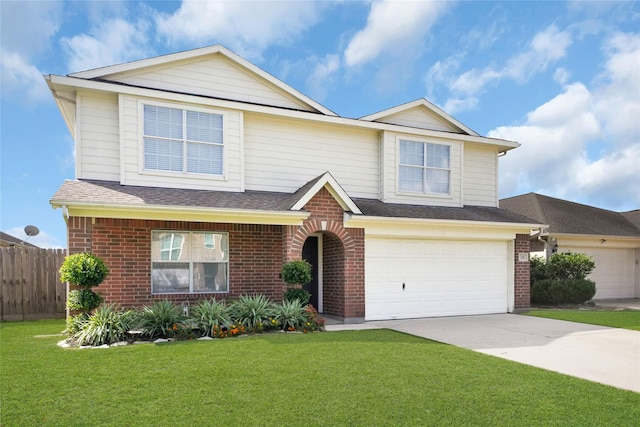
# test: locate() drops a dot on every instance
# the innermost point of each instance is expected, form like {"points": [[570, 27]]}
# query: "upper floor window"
{"points": [[424, 167], [180, 140]]}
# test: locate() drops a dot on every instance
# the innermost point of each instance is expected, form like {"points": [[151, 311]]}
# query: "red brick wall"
{"points": [[255, 257], [522, 272], [332, 274]]}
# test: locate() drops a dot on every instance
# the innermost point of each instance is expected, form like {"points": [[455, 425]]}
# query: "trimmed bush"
{"points": [[555, 292], [83, 300], [83, 269], [569, 266], [538, 269], [296, 272], [299, 294]]}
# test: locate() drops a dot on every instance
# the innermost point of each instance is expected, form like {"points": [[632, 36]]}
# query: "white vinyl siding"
{"points": [[480, 176], [98, 137], [390, 186], [282, 155], [192, 175], [419, 118], [216, 77]]}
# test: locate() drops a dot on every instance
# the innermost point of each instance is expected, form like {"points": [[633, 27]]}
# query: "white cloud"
{"points": [[583, 145], [393, 27], [454, 105], [546, 48], [248, 27], [112, 42], [319, 80], [21, 79], [26, 30]]}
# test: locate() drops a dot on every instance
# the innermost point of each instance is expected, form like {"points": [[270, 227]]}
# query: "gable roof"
{"points": [[565, 217], [110, 72], [390, 116], [310, 189]]}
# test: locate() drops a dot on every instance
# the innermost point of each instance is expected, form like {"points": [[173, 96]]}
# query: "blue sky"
{"points": [[561, 78]]}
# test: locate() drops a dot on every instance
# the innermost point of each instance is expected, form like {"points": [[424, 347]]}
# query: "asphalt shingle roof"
{"points": [[112, 193], [564, 216]]}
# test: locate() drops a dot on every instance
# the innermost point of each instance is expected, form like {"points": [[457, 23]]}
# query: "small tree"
{"points": [[569, 266], [296, 274], [86, 271]]}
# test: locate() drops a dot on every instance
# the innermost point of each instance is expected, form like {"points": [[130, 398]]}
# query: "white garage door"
{"points": [[614, 273], [424, 278]]}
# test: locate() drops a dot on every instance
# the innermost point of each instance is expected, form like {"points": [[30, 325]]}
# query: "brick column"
{"points": [[522, 273]]}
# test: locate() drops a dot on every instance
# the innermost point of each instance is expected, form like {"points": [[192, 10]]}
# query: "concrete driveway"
{"points": [[605, 355]]}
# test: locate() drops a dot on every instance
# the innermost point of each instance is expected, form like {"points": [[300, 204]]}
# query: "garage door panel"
{"points": [[614, 273], [440, 278]]}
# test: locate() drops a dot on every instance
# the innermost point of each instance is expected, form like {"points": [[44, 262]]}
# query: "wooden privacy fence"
{"points": [[30, 286]]}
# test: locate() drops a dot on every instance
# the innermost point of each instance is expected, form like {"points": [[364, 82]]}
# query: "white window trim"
{"points": [[190, 262], [182, 174], [423, 195]]}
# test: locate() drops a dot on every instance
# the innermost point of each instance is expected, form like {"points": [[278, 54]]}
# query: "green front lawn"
{"points": [[351, 378], [627, 319]]}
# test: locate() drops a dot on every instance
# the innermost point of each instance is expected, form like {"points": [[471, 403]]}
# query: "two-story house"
{"points": [[199, 175]]}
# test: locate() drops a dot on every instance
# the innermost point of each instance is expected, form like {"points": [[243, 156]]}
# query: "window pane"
{"points": [[210, 277], [411, 153], [169, 246], [210, 247], [411, 179], [438, 156], [437, 181], [163, 122], [204, 158], [170, 277], [204, 127], [162, 154]]}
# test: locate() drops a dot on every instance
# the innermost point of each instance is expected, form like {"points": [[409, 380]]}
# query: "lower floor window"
{"points": [[189, 262]]}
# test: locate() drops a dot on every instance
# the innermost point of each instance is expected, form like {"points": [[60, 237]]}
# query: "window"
{"points": [[424, 167], [179, 140], [189, 262]]}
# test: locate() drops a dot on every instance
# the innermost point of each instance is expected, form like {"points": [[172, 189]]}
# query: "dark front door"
{"points": [[310, 254]]}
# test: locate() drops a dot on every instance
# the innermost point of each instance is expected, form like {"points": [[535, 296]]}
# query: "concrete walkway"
{"points": [[606, 355]]}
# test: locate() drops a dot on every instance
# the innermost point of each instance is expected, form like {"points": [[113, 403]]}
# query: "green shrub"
{"points": [[296, 272], [106, 326], [83, 269], [160, 320], [555, 292], [292, 315], [314, 322], [83, 300], [74, 323], [299, 294], [538, 269], [569, 266], [208, 315], [253, 312]]}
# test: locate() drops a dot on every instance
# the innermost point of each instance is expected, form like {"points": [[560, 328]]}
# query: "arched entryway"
{"points": [[325, 252]]}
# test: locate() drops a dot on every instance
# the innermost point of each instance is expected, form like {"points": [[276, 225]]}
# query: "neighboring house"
{"points": [[612, 239], [199, 175], [7, 240]]}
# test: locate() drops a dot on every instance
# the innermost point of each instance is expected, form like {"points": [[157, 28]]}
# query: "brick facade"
{"points": [[522, 282], [256, 256]]}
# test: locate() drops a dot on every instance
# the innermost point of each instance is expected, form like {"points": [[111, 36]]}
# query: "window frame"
{"points": [[183, 172], [424, 168], [191, 261]]}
